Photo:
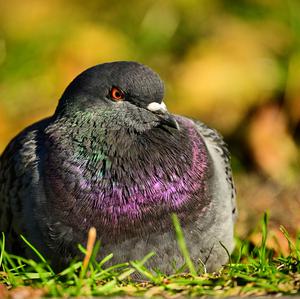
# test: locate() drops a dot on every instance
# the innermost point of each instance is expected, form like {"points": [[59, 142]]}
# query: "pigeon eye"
{"points": [[117, 94]]}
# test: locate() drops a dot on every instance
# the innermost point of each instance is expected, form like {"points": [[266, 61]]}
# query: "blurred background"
{"points": [[232, 64]]}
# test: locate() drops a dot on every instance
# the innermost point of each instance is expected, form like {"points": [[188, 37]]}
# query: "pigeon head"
{"points": [[125, 90]]}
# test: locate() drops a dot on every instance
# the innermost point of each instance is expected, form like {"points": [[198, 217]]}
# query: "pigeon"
{"points": [[114, 158]]}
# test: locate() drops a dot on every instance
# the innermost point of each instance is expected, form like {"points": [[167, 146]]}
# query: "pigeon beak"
{"points": [[165, 117], [169, 120]]}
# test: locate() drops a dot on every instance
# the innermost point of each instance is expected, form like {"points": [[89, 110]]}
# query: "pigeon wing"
{"points": [[216, 141], [17, 171]]}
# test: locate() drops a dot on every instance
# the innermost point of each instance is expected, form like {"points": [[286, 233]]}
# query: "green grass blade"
{"points": [[2, 248], [292, 246], [40, 256], [182, 244], [262, 249]]}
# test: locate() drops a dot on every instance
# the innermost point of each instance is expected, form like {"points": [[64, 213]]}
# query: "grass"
{"points": [[251, 271]]}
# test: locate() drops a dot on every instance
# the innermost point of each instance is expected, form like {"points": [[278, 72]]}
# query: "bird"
{"points": [[114, 158]]}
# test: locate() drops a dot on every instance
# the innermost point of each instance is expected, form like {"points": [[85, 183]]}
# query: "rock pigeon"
{"points": [[112, 157]]}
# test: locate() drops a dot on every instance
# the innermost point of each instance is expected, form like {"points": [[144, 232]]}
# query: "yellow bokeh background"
{"points": [[232, 64]]}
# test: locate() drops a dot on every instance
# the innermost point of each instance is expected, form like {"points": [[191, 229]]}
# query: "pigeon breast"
{"points": [[123, 182]]}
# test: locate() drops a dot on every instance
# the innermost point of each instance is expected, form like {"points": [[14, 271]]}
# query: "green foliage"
{"points": [[251, 271]]}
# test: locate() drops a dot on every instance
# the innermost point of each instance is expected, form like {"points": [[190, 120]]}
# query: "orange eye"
{"points": [[117, 94]]}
